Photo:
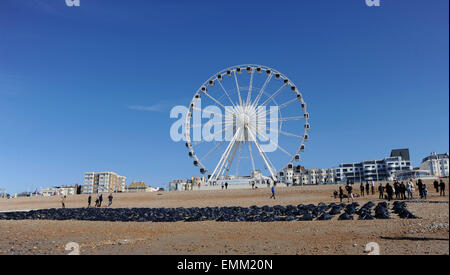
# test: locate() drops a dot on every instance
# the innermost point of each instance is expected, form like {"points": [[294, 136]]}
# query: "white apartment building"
{"points": [[368, 170], [103, 182], [58, 191], [298, 175], [437, 164]]}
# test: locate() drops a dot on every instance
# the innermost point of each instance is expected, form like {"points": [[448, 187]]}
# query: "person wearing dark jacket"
{"points": [[89, 201], [402, 187], [100, 200], [381, 191], [389, 191], [367, 188], [361, 187], [442, 187], [110, 198], [341, 193], [420, 187], [436, 186]]}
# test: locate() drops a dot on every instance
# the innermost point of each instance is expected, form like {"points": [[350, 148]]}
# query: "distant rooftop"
{"points": [[403, 153]]}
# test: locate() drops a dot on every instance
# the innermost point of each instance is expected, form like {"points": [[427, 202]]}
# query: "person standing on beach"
{"points": [[381, 191], [372, 185], [226, 185], [367, 188], [100, 200], [389, 191], [442, 187], [436, 186], [110, 198], [361, 187], [425, 191], [420, 186], [341, 193], [409, 190], [349, 189], [222, 186], [273, 192], [63, 202], [89, 201]]}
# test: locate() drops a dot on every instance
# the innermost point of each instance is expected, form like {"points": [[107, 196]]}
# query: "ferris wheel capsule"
{"points": [[211, 83], [238, 70], [297, 157], [268, 72], [202, 170], [306, 115], [277, 76], [249, 69], [306, 137], [293, 89], [229, 73], [258, 70], [204, 89], [290, 166], [303, 106], [302, 147], [286, 82], [196, 163], [307, 126], [219, 77]]}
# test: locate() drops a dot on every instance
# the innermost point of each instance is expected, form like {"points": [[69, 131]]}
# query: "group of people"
{"points": [[401, 190], [99, 200]]}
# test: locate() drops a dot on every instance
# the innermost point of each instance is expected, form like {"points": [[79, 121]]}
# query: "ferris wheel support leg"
{"points": [[214, 175], [274, 177], [230, 160]]}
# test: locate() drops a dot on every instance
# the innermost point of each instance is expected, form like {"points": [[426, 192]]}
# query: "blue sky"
{"points": [[374, 79]]}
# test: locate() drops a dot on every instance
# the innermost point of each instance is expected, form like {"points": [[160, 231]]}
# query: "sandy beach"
{"points": [[427, 235]]}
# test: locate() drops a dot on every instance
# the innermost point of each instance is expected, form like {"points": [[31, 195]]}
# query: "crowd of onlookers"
{"points": [[401, 190]]}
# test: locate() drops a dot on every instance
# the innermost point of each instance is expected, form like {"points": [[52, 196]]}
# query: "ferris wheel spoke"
{"points": [[284, 105], [237, 87], [258, 97], [289, 134], [208, 112], [227, 94], [202, 159], [273, 143], [249, 95], [263, 156], [196, 143], [286, 119], [216, 101], [274, 95]]}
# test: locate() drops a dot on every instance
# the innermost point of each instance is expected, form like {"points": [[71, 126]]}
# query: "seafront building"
{"points": [[59, 191], [298, 175], [140, 186], [436, 164], [376, 170], [103, 182]]}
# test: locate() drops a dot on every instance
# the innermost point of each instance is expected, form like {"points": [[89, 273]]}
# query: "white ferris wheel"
{"points": [[246, 118]]}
